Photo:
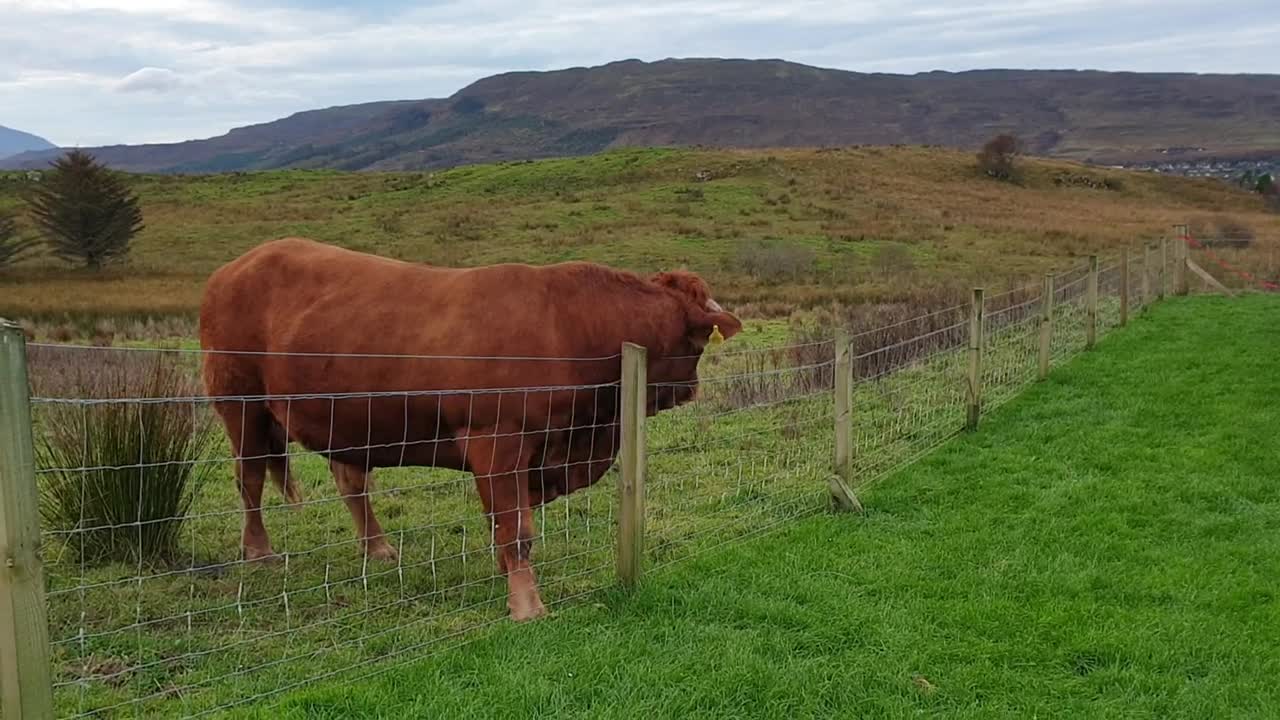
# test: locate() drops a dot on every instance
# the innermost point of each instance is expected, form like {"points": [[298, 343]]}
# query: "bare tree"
{"points": [[996, 159]]}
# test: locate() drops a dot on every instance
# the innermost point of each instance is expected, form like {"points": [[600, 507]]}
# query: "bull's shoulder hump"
{"points": [[303, 251]]}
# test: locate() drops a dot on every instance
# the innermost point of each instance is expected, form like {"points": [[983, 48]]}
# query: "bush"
{"points": [[119, 477], [85, 212], [1222, 227], [773, 261], [892, 259], [996, 159]]}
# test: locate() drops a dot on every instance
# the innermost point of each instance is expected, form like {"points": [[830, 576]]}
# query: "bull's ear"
{"points": [[713, 327]]}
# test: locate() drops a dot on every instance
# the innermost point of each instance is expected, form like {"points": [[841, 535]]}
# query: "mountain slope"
{"points": [[13, 142], [1085, 115]]}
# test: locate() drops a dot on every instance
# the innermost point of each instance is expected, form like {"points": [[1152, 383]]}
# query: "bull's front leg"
{"points": [[500, 463]]}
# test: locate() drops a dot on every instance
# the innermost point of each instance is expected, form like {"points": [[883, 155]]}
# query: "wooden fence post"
{"points": [[1148, 254], [633, 457], [975, 359], [1046, 325], [26, 686], [1124, 286], [1181, 253], [1164, 268], [1091, 309], [842, 495]]}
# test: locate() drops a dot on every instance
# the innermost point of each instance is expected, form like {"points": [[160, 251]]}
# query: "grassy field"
{"points": [[1105, 546], [773, 230], [200, 630]]}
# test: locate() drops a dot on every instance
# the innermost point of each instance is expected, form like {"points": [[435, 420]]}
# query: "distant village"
{"points": [[1230, 170]]}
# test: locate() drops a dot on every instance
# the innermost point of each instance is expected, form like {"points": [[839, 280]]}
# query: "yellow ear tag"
{"points": [[716, 338]]}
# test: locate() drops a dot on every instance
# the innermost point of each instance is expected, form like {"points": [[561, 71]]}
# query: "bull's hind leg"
{"points": [[501, 467], [353, 483], [248, 427]]}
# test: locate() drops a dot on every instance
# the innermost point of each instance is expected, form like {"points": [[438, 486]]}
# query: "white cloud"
{"points": [[150, 79], [95, 71]]}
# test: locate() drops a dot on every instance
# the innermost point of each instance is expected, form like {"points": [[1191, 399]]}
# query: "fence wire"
{"points": [[1240, 263], [1011, 347], [754, 451], [158, 604], [152, 601]]}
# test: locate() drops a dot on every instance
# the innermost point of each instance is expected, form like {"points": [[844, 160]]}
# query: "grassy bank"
{"points": [[1105, 546]]}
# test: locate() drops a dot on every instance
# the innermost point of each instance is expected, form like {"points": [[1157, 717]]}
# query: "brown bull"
{"points": [[509, 372]]}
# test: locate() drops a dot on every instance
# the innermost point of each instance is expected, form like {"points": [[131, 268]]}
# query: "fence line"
{"points": [[146, 611]]}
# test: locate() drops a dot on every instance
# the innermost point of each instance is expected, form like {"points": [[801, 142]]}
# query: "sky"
{"points": [[95, 72]]}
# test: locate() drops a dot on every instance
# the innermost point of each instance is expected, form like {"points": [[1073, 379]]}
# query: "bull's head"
{"points": [[677, 371]]}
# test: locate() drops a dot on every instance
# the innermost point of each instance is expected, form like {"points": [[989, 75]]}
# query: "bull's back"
{"points": [[317, 319], [298, 296]]}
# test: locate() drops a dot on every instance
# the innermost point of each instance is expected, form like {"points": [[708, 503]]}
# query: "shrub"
{"points": [[892, 259], [996, 159], [85, 212], [772, 261], [1220, 227], [1233, 229], [391, 223], [119, 477]]}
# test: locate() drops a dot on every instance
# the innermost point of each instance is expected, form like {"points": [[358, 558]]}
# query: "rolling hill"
{"points": [[774, 229], [1095, 116], [14, 142]]}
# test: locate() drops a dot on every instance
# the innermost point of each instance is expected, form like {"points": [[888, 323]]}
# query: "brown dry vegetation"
{"points": [[853, 225]]}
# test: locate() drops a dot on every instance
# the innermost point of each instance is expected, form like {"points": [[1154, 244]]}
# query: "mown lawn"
{"points": [[1107, 545]]}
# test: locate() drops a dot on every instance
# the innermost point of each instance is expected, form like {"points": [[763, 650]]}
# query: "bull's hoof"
{"points": [[263, 555], [527, 611], [382, 551]]}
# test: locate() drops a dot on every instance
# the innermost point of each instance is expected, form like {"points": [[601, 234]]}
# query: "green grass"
{"points": [[1105, 546], [644, 210], [755, 451]]}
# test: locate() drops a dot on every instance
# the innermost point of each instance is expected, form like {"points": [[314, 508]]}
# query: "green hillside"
{"points": [[772, 229]]}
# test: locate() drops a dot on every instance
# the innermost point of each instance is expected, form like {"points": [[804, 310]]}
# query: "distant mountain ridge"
{"points": [[1109, 117], [13, 142]]}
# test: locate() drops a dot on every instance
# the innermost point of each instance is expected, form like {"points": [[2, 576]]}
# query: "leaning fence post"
{"points": [[1180, 264], [632, 456], [975, 359], [1091, 309], [1148, 253], [1124, 286], [1046, 325], [842, 495], [26, 689], [1164, 268]]}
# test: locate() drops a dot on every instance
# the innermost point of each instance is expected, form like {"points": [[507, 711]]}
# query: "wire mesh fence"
{"points": [[1246, 263], [753, 452], [165, 593], [181, 583]]}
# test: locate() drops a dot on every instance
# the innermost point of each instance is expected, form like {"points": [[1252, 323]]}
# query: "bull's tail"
{"points": [[278, 466]]}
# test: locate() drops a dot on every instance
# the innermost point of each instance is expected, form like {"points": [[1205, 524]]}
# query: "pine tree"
{"points": [[12, 248], [85, 212]]}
